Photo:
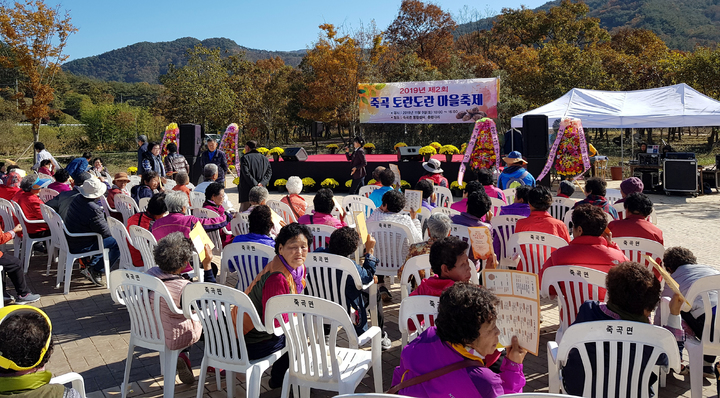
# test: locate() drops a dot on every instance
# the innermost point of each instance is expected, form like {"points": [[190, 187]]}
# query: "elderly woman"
{"points": [[285, 274], [153, 160], [29, 200], [149, 185], [259, 196], [293, 199], [438, 225], [61, 181], [181, 183], [464, 329], [46, 167], [120, 182], [11, 186], [172, 255], [99, 171], [322, 213], [214, 197], [260, 223]]}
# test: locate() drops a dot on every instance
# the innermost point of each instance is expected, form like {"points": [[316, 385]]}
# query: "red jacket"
{"points": [[30, 205], [635, 226], [542, 221], [437, 179], [433, 286], [5, 237], [7, 192], [143, 220]]}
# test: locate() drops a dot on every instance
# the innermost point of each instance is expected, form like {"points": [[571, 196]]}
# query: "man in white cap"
{"points": [[85, 215], [434, 173], [515, 174]]}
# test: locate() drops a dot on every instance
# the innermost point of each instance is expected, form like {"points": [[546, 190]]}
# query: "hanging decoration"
{"points": [[172, 134], [483, 149], [228, 144], [569, 152]]}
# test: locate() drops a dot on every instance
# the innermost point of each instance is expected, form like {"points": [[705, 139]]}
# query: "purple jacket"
{"points": [[469, 220], [178, 222], [427, 353], [516, 209]]}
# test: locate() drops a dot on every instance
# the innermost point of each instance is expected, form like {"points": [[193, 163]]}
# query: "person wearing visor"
{"points": [[25, 348]]}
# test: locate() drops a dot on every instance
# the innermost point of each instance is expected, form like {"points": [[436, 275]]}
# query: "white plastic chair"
{"points": [[533, 249], [321, 235], [283, 210], [126, 206], [496, 205], [141, 294], [47, 194], [560, 206], [510, 195], [145, 242], [169, 184], [335, 213], [27, 241], [225, 346], [353, 203], [709, 344], [635, 249], [213, 235], [326, 277], [239, 225], [613, 195], [412, 268], [644, 338], [143, 204], [461, 231], [121, 236], [105, 206], [573, 285], [445, 210], [7, 211], [67, 258], [443, 196], [248, 259], [315, 362], [503, 228], [366, 190], [197, 199], [75, 379], [421, 311], [620, 208], [392, 243]]}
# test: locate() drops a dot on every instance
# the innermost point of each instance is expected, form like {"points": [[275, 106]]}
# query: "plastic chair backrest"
{"points": [[327, 275], [57, 228], [392, 242], [635, 249], [503, 228], [335, 213], [75, 379], [560, 206], [707, 288], [126, 206], [283, 210], [145, 242], [632, 345], [445, 210], [211, 304], [534, 248], [312, 357], [143, 204], [461, 231], [197, 199], [240, 224], [353, 203], [169, 184], [213, 235], [366, 190], [573, 285], [613, 195], [105, 206], [7, 211], [496, 205], [47, 194], [321, 235], [443, 196], [20, 215], [248, 259], [412, 269], [421, 311], [121, 236], [141, 293], [620, 208], [510, 195]]}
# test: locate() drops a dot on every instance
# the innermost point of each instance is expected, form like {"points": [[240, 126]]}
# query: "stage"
{"points": [[320, 167]]}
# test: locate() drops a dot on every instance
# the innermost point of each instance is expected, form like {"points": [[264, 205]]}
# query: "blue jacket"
{"points": [[376, 195], [140, 191], [515, 173], [77, 166]]}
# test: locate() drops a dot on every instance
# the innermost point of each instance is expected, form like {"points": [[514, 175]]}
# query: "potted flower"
{"points": [[263, 151], [371, 182], [232, 168], [404, 185], [236, 181], [348, 184], [332, 148], [436, 145], [457, 189], [132, 170], [308, 183], [427, 152], [449, 151], [369, 147], [276, 152], [280, 184], [397, 147], [329, 183], [463, 147]]}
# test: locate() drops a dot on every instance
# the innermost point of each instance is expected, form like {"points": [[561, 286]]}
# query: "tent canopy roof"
{"points": [[672, 106]]}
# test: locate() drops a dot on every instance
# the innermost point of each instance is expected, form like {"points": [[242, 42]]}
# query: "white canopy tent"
{"points": [[672, 106]]}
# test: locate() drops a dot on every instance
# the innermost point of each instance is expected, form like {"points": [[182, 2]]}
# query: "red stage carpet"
{"points": [[369, 158]]}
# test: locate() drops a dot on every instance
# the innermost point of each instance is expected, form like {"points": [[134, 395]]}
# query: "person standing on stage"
{"points": [[255, 171], [358, 163]]}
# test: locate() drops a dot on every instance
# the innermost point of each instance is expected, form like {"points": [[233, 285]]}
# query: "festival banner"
{"points": [[429, 102]]}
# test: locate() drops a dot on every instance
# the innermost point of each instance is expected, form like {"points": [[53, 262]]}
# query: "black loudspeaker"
{"points": [[191, 140], [410, 154], [651, 159], [317, 129], [680, 175], [680, 155], [535, 167], [295, 155], [717, 162], [535, 136], [650, 179]]}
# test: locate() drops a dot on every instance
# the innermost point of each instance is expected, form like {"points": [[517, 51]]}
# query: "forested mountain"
{"points": [[145, 61], [682, 24]]}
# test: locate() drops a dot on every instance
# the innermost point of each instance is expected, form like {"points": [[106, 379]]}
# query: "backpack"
{"points": [[517, 181]]}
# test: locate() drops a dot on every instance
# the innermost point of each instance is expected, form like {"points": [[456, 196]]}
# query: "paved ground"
{"points": [[91, 332]]}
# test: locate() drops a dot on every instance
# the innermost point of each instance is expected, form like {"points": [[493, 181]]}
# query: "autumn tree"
{"points": [[36, 35], [268, 107]]}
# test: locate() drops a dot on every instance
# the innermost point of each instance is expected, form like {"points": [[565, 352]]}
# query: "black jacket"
{"points": [[141, 156], [61, 203], [84, 215], [219, 160], [254, 169], [357, 160]]}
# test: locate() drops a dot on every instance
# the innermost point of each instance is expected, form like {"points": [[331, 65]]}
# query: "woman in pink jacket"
{"points": [[465, 329]]}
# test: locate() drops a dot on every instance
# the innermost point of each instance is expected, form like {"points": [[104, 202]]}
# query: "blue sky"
{"points": [[268, 25]]}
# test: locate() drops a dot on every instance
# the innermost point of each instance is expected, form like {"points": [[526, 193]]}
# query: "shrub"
{"points": [[277, 150], [435, 145], [428, 150], [280, 182], [331, 146], [398, 145], [263, 150], [308, 182], [449, 150], [369, 145], [329, 183]]}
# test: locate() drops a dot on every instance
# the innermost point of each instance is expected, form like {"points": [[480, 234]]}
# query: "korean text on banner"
{"points": [[429, 102]]}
